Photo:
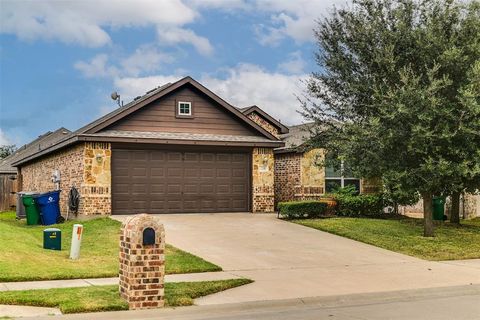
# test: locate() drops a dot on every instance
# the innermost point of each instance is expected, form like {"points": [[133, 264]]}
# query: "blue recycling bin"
{"points": [[48, 205]]}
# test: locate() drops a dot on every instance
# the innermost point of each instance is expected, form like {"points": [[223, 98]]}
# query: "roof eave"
{"points": [[269, 144], [46, 151]]}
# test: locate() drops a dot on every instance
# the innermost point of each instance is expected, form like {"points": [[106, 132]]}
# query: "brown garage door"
{"points": [[162, 181]]}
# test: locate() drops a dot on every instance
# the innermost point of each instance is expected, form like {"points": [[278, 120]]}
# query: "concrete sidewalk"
{"points": [[74, 283]]}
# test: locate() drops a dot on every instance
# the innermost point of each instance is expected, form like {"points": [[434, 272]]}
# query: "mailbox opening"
{"points": [[148, 236]]}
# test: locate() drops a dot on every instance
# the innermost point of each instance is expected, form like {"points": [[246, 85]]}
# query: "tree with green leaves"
{"points": [[396, 93], [6, 150]]}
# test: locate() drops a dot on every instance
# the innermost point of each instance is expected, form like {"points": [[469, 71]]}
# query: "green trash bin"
{"points": [[52, 239], [31, 210], [438, 208]]}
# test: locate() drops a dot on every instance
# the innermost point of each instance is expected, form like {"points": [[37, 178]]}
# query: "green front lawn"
{"points": [[405, 236], [106, 298], [22, 257]]}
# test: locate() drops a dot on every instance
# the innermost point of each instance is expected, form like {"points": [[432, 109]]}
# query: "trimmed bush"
{"points": [[359, 205], [302, 209]]}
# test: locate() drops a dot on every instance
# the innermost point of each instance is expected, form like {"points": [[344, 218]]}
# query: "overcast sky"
{"points": [[60, 60]]}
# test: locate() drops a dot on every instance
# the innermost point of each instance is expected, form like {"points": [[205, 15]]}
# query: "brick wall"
{"points": [[263, 193], [287, 175], [258, 119], [85, 166], [37, 175], [299, 176]]}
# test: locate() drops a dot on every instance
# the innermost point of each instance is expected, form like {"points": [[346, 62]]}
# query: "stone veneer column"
{"points": [[96, 187], [263, 195], [142, 265], [312, 173]]}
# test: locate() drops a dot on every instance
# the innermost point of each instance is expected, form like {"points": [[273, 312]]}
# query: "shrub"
{"points": [[358, 205], [302, 209]]}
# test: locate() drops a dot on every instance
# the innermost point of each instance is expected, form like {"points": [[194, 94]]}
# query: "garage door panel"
{"points": [[174, 157], [207, 157], [175, 189], [175, 205], [162, 181], [239, 173], [139, 156], [157, 172], [192, 189], [223, 189], [238, 203], [191, 157], [207, 189], [157, 188], [223, 157], [191, 173], [239, 188], [157, 156]]}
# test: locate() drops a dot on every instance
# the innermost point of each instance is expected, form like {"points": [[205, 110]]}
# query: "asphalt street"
{"points": [[450, 303]]}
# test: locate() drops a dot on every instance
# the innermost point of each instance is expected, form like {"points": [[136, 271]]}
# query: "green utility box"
{"points": [[438, 208], [52, 239], [31, 210]]}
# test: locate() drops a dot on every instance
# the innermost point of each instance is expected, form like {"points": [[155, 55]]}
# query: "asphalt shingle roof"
{"points": [[42, 142], [296, 136], [178, 136]]}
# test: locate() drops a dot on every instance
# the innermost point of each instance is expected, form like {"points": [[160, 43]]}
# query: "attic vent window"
{"points": [[184, 108]]}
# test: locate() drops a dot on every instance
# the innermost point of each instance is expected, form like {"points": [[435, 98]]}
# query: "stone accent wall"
{"points": [[312, 176], [263, 193], [96, 188], [37, 175], [258, 119], [142, 266], [287, 176], [85, 166]]}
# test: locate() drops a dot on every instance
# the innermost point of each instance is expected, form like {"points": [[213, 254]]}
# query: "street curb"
{"points": [[325, 301]]}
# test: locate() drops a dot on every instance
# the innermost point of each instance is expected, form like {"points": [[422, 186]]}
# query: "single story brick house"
{"points": [[182, 149], [178, 148]]}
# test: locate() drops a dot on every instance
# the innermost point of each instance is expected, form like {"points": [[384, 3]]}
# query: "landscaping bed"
{"points": [[107, 298], [23, 258], [405, 235]]}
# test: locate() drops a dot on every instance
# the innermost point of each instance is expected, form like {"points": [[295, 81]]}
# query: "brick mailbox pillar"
{"points": [[142, 262]]}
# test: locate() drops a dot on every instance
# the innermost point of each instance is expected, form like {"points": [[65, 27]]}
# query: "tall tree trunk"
{"points": [[455, 212], [427, 215]]}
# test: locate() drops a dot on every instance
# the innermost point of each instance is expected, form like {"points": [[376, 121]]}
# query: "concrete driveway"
{"points": [[291, 261]]}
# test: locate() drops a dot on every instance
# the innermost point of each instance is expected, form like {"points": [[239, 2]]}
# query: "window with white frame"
{"points": [[339, 178], [184, 108]]}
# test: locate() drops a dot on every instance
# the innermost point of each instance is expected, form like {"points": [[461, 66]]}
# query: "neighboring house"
{"points": [[8, 173], [469, 207], [178, 148], [300, 174]]}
